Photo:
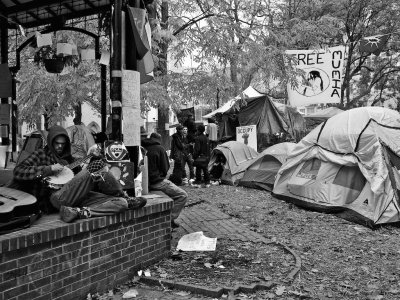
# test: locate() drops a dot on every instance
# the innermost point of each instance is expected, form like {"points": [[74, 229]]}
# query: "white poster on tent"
{"points": [[322, 78], [247, 135]]}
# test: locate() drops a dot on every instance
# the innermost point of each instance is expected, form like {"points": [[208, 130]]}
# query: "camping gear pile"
{"points": [[348, 165]]}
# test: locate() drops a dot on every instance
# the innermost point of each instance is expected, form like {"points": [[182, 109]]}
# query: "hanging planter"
{"points": [[54, 65]]}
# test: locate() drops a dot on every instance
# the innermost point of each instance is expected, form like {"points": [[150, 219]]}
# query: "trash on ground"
{"points": [[132, 293], [196, 241]]}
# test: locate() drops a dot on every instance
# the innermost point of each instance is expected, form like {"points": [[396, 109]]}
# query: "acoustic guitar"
{"points": [[14, 203]]}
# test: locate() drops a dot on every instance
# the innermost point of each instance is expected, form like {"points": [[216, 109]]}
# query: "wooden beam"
{"points": [[35, 4], [78, 14], [31, 5], [16, 2], [69, 7], [90, 4], [3, 9], [32, 15], [51, 12]]}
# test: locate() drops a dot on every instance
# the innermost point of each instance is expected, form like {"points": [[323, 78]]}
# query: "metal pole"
{"points": [[14, 114], [4, 60], [103, 86]]}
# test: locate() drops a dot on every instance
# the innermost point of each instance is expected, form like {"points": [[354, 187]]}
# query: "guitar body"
{"points": [[15, 203], [56, 182]]}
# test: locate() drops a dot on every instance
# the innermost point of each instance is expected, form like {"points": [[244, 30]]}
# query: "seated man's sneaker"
{"points": [[136, 202], [185, 181], [69, 214], [191, 181]]}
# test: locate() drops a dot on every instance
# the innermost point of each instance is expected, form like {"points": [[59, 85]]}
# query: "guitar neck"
{"points": [[79, 161]]}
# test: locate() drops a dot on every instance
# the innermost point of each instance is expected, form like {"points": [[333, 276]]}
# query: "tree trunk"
{"points": [[46, 122], [163, 110], [78, 114]]}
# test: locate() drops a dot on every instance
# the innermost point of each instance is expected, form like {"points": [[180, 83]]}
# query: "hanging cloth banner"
{"points": [[135, 48], [43, 39], [5, 81], [374, 44], [323, 77], [146, 64]]}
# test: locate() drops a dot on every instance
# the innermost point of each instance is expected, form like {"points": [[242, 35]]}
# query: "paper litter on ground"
{"points": [[196, 241]]}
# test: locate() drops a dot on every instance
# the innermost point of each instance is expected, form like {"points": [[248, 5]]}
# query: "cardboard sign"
{"points": [[247, 135], [116, 151], [124, 172]]}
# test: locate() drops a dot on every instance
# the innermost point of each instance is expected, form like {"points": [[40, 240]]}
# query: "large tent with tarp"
{"points": [[234, 158], [259, 111], [314, 119], [294, 119], [348, 165], [249, 92], [261, 173]]}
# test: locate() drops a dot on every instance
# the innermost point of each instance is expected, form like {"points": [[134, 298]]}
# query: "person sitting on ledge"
{"points": [[158, 166], [92, 192]]}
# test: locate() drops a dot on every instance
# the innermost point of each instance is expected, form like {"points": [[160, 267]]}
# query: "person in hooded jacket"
{"points": [[201, 156], [92, 192], [158, 166], [178, 152]]}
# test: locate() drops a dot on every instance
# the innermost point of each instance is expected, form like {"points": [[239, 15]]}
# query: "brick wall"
{"points": [[55, 260]]}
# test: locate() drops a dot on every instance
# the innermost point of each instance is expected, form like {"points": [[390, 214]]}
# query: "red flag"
{"points": [[374, 44]]}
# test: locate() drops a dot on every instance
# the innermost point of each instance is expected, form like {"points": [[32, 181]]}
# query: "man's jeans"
{"points": [[176, 193], [189, 160], [103, 197]]}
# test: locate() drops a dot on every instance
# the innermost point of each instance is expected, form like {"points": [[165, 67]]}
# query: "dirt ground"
{"points": [[340, 259]]}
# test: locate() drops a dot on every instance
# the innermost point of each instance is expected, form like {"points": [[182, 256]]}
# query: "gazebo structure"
{"points": [[51, 15]]}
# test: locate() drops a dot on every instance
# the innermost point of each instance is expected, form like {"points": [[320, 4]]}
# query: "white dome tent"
{"points": [[349, 165]]}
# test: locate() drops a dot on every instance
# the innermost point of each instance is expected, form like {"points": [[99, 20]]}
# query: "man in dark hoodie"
{"points": [[201, 156], [158, 166], [92, 192], [178, 150]]}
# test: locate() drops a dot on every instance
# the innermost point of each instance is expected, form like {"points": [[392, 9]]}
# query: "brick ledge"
{"points": [[50, 227]]}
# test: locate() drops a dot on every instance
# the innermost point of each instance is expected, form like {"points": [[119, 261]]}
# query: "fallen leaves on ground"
{"points": [[340, 259]]}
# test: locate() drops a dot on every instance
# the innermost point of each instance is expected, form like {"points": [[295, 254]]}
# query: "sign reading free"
{"points": [[247, 135]]}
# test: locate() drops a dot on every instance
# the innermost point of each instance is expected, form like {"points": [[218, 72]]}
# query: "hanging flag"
{"points": [[322, 79], [135, 48], [146, 65], [374, 44]]}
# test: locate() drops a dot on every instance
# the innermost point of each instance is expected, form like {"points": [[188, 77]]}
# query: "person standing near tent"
{"points": [[201, 156], [178, 148], [191, 126], [187, 158], [158, 166], [212, 133]]}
